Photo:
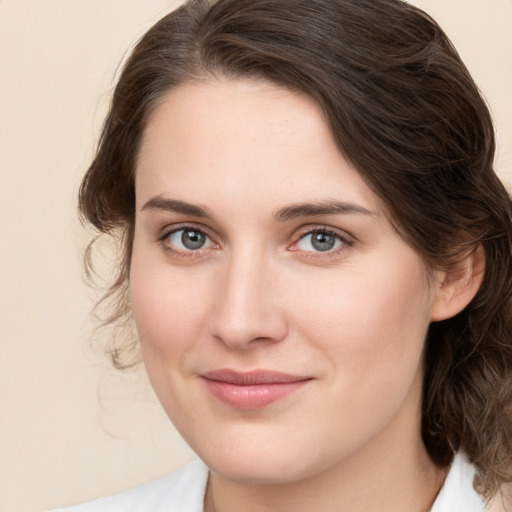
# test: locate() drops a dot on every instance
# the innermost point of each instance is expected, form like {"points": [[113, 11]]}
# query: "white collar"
{"points": [[184, 489], [457, 493]]}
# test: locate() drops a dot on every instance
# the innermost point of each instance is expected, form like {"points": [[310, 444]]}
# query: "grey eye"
{"points": [[319, 241], [188, 239]]}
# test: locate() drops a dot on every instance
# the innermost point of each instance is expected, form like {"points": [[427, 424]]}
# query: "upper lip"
{"points": [[253, 377]]}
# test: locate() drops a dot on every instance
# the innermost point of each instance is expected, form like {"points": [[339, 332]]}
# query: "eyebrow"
{"points": [[177, 206], [284, 214], [319, 208]]}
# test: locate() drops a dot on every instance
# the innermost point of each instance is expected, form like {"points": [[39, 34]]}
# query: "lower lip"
{"points": [[253, 396]]}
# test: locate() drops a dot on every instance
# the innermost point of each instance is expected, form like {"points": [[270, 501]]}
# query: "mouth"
{"points": [[252, 390]]}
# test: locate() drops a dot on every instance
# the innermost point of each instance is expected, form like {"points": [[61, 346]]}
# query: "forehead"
{"points": [[247, 111], [244, 137]]}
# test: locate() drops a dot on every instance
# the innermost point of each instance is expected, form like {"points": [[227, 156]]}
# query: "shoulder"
{"points": [[457, 493], [179, 491]]}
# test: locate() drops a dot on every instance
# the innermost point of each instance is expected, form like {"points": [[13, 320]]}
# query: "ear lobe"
{"points": [[457, 286]]}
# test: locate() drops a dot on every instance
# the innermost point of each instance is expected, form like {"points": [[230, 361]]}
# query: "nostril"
{"points": [[260, 339]]}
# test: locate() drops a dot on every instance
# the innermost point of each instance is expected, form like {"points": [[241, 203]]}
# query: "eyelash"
{"points": [[183, 253], [345, 239]]}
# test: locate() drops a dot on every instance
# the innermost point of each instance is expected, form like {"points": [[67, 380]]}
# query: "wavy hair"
{"points": [[406, 113]]}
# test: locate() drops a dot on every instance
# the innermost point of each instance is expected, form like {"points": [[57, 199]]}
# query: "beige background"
{"points": [[71, 428]]}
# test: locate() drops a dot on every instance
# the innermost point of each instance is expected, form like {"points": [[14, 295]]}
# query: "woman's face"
{"points": [[281, 318]]}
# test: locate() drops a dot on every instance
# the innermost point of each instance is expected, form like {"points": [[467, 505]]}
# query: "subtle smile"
{"points": [[252, 390]]}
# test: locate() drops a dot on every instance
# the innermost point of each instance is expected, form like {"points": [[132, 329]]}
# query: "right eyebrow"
{"points": [[177, 206]]}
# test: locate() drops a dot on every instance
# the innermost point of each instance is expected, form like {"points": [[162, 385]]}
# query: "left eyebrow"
{"points": [[320, 208]]}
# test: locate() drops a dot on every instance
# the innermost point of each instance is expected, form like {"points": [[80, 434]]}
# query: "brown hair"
{"points": [[405, 111]]}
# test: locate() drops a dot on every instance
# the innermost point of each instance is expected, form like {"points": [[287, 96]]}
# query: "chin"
{"points": [[263, 469], [258, 456]]}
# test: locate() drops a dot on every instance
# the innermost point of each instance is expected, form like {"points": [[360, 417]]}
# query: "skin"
{"points": [[259, 295]]}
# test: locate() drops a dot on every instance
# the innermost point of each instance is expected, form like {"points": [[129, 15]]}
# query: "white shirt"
{"points": [[457, 493], [183, 491]]}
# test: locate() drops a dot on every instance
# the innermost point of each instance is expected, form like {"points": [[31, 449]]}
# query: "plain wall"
{"points": [[71, 428]]}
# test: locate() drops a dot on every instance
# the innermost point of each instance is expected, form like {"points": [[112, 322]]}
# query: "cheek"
{"points": [[169, 312], [371, 322], [167, 308], [371, 331]]}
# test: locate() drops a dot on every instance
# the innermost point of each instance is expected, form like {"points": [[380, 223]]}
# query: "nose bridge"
{"points": [[247, 306]]}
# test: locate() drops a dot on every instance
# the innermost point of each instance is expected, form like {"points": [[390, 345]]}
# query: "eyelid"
{"points": [[347, 239], [170, 229], [323, 228]]}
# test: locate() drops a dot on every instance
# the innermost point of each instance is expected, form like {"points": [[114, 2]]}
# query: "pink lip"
{"points": [[254, 389]]}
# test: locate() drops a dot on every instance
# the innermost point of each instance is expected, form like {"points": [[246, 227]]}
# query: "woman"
{"points": [[317, 253]]}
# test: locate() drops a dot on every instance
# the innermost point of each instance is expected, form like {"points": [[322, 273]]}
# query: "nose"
{"points": [[247, 309]]}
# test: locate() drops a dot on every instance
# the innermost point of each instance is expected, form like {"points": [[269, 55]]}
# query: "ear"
{"points": [[457, 286]]}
